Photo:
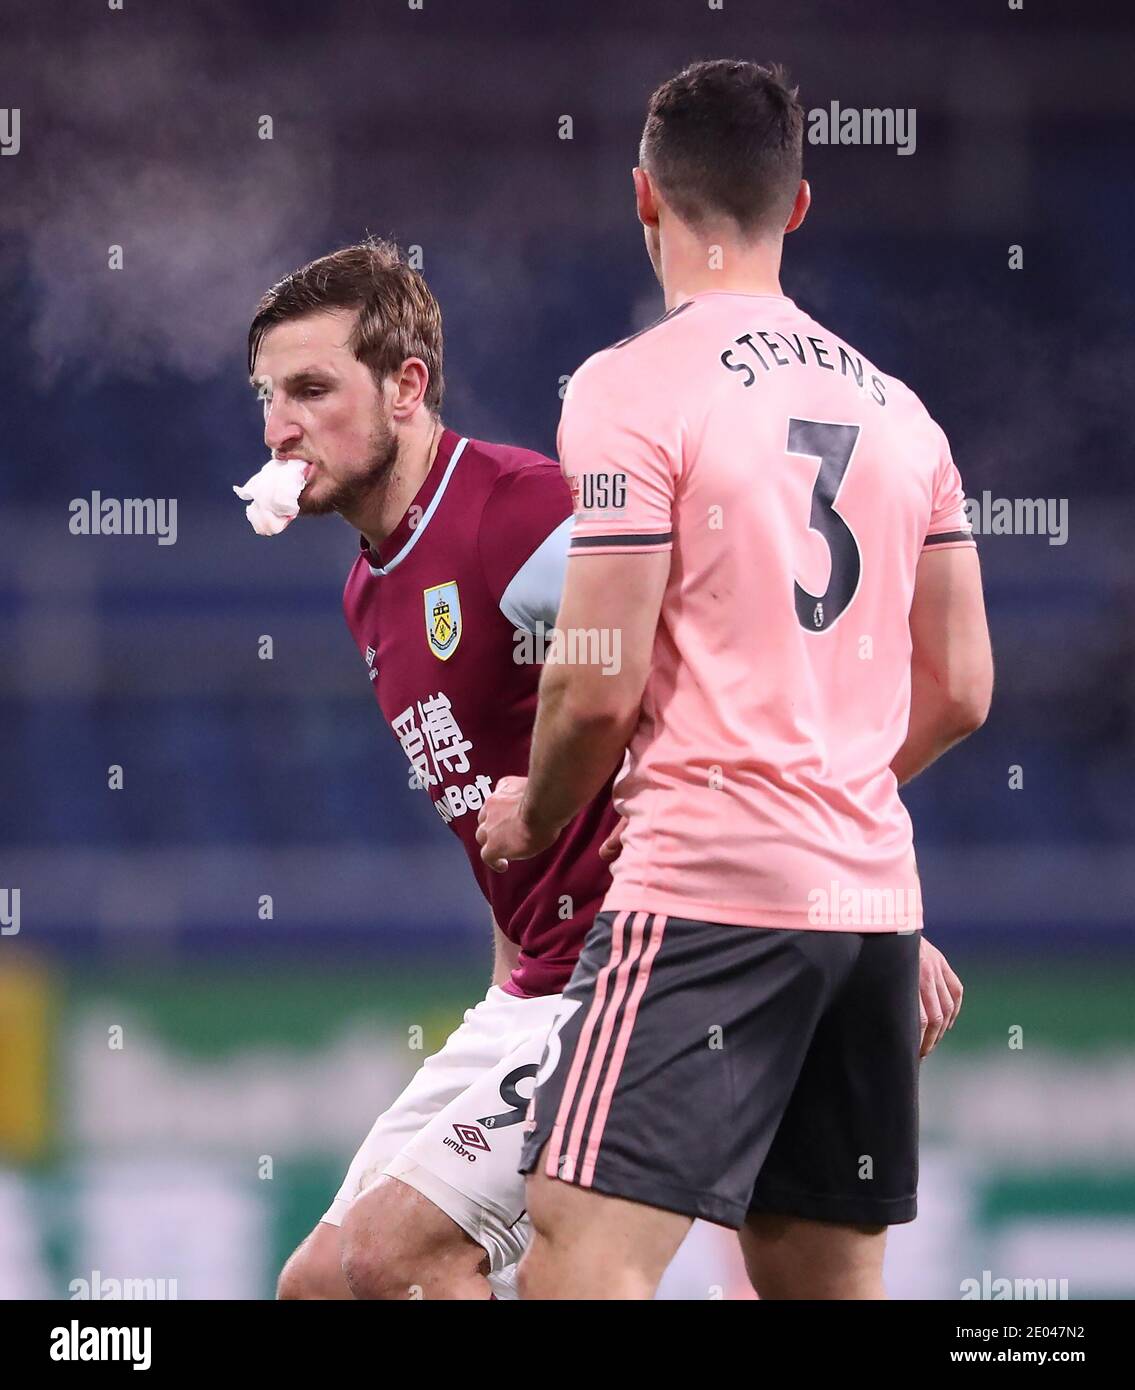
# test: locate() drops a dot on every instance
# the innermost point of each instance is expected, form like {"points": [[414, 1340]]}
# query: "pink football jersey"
{"points": [[796, 487]]}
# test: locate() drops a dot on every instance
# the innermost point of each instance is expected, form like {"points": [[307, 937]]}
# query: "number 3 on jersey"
{"points": [[833, 445]]}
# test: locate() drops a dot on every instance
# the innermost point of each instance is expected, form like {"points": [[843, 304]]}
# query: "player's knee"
{"points": [[370, 1274], [313, 1270], [372, 1266], [396, 1244], [296, 1280]]}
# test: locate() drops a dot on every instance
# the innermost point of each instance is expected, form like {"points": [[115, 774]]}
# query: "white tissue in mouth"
{"points": [[273, 495]]}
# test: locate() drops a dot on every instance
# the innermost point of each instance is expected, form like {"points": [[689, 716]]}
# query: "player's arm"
{"points": [[621, 446], [951, 661], [588, 711]]}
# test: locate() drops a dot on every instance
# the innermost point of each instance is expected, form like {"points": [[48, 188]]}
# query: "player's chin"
{"points": [[318, 500]]}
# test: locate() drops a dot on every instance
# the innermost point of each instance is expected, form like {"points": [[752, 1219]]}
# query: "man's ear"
{"points": [[408, 388], [799, 207], [646, 198]]}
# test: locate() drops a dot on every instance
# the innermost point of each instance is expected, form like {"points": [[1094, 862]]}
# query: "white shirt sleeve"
{"points": [[533, 592]]}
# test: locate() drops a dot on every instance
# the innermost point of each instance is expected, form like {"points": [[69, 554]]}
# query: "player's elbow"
{"points": [[966, 718], [602, 715], [957, 692], [967, 704], [590, 701]]}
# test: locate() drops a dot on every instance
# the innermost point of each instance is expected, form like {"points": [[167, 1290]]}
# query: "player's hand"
{"points": [[612, 846], [501, 833], [939, 995]]}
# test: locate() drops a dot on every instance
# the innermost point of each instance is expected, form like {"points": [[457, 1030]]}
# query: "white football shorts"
{"points": [[455, 1132]]}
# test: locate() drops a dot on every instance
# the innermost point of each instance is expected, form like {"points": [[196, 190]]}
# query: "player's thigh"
{"points": [[444, 1075], [674, 1056], [846, 1148], [466, 1159], [791, 1257], [314, 1270], [580, 1229]]}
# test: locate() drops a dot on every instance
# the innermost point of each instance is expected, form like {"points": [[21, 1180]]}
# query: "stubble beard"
{"points": [[352, 495]]}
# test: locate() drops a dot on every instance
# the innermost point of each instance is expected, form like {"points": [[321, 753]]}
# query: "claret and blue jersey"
{"points": [[438, 615]]}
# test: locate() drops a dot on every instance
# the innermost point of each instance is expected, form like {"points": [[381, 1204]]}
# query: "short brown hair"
{"points": [[726, 137], [398, 315]]}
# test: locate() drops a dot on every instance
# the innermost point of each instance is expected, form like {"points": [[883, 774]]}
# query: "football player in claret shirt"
{"points": [[776, 529], [461, 555], [462, 546]]}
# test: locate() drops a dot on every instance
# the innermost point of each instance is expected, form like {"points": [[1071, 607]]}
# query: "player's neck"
{"points": [[385, 508], [699, 265]]}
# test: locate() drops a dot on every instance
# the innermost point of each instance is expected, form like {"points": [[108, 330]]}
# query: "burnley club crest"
{"points": [[443, 619]]}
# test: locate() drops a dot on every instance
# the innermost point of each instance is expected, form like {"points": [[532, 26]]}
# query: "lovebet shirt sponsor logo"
{"points": [[78, 1343]]}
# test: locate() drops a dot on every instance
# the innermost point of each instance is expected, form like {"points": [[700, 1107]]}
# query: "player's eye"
{"points": [[312, 393]]}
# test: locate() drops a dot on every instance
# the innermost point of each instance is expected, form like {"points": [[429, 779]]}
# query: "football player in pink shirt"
{"points": [[452, 593], [773, 528]]}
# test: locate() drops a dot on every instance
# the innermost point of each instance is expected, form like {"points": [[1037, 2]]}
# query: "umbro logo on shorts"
{"points": [[471, 1138]]}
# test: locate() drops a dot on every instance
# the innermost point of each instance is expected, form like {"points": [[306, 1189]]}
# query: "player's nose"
{"points": [[280, 432]]}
